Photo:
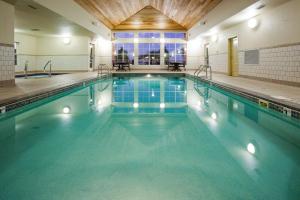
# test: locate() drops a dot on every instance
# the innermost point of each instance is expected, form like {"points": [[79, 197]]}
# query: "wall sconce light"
{"points": [[214, 38], [136, 40], [67, 40], [252, 23]]}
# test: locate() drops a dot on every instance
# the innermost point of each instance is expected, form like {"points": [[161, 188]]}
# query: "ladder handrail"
{"points": [[204, 68], [50, 66], [198, 69], [100, 69]]}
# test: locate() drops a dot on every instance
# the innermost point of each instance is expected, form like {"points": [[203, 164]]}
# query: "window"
{"points": [[124, 35], [175, 52], [175, 35], [149, 54], [124, 52], [149, 35]]}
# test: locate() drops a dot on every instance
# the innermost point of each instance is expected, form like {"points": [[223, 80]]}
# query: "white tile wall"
{"points": [[280, 63], [7, 67]]}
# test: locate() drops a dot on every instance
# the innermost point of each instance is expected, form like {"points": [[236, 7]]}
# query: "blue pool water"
{"points": [[146, 138]]}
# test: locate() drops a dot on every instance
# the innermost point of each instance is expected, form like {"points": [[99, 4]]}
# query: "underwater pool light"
{"points": [[66, 110], [162, 105], [251, 148], [214, 116], [235, 105]]}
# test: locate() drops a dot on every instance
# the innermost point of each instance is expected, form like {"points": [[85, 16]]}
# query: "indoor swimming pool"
{"points": [[148, 137]]}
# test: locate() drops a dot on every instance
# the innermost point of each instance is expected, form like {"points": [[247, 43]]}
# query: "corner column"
{"points": [[7, 58]]}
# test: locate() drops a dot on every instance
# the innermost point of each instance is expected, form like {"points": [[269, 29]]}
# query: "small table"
{"points": [[121, 66], [176, 66]]}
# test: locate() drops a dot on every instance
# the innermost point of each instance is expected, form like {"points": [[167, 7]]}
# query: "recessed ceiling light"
{"points": [[136, 23]]}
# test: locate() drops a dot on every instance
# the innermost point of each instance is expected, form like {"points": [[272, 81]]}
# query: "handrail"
{"points": [[50, 66], [205, 69], [26, 68], [100, 69]]}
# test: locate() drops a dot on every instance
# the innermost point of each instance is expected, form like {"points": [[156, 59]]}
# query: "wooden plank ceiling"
{"points": [[148, 14]]}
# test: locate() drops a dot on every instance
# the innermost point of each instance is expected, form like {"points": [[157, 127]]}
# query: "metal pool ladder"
{"points": [[50, 67], [204, 68], [103, 69]]}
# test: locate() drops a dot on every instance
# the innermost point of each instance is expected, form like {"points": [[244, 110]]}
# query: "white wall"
{"points": [[73, 56], [7, 16], [7, 75], [26, 50], [195, 53], [73, 12], [103, 51], [65, 57], [277, 27]]}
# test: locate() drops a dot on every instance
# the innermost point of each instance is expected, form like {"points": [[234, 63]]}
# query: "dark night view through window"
{"points": [[124, 52], [149, 35], [175, 52], [124, 35], [175, 35], [149, 54]]}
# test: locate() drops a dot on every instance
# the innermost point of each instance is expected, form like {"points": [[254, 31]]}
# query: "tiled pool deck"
{"points": [[284, 94]]}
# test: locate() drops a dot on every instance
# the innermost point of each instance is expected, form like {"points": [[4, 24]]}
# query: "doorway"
{"points": [[206, 55], [233, 57], [92, 56]]}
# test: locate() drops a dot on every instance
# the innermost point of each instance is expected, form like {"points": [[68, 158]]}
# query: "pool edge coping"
{"points": [[274, 104], [18, 101]]}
